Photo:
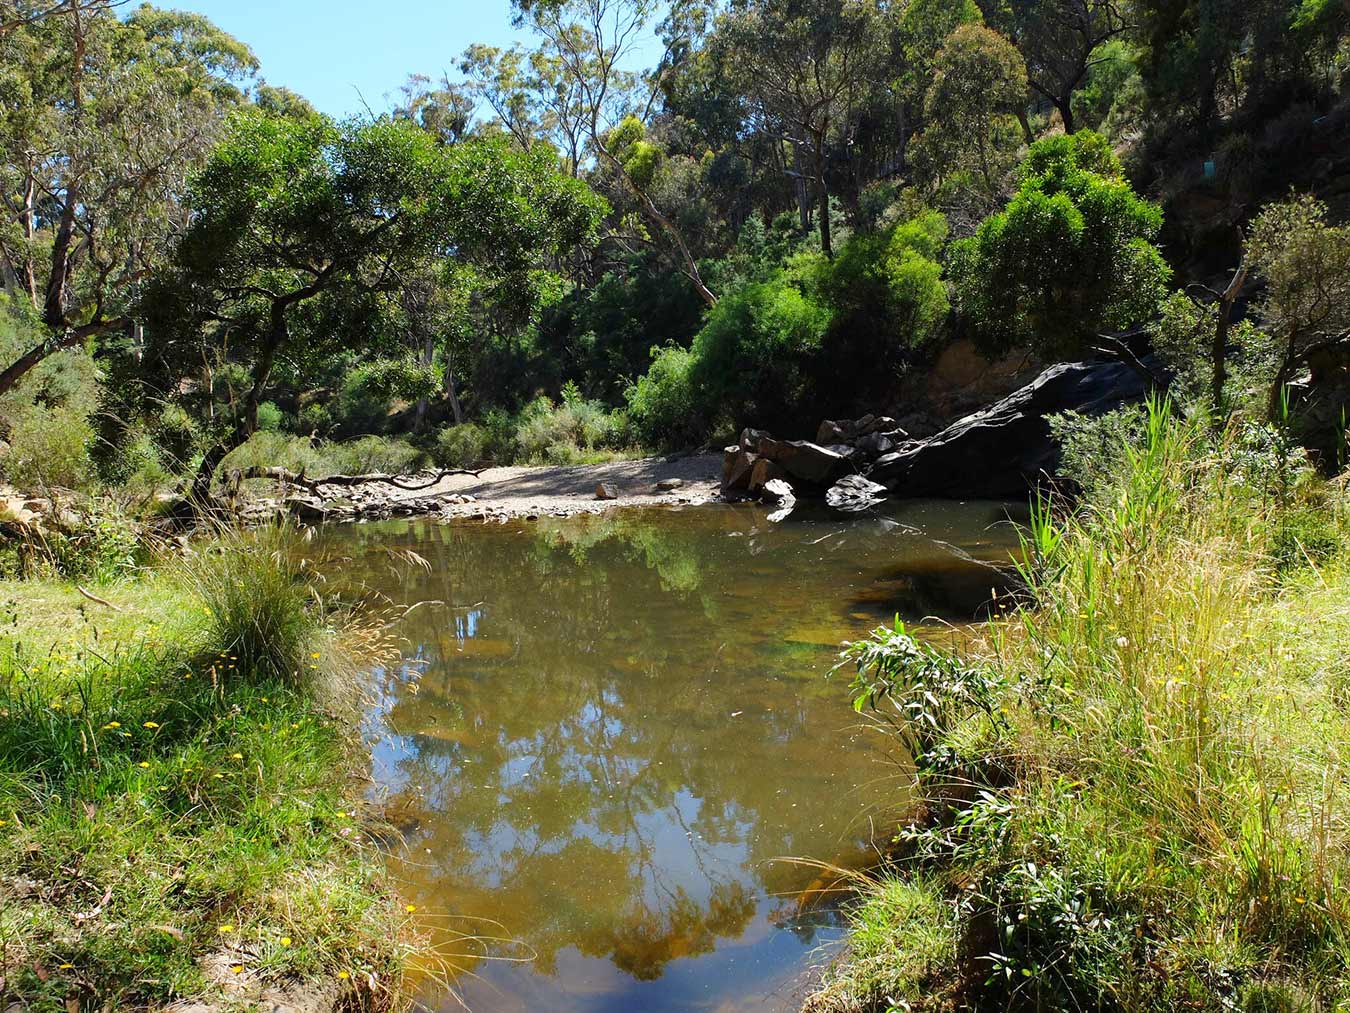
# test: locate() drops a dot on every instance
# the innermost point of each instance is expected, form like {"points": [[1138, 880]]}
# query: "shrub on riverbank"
{"points": [[1135, 784], [178, 796]]}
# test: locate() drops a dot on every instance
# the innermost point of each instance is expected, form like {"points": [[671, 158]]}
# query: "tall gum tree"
{"points": [[592, 40], [103, 121], [805, 63], [303, 230]]}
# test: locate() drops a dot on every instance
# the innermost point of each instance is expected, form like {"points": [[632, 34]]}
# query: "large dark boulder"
{"points": [[809, 462], [1006, 449]]}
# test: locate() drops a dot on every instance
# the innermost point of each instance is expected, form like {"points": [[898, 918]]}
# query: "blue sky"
{"points": [[329, 50]]}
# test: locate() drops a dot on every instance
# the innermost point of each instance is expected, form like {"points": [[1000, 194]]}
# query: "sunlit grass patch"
{"points": [[176, 799]]}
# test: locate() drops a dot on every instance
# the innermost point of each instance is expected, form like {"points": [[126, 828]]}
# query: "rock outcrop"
{"points": [[998, 452], [1006, 449]]}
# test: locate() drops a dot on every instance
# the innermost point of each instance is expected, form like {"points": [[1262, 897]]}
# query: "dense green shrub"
{"points": [[373, 389], [1071, 256], [755, 358], [569, 433], [48, 447], [888, 303], [663, 405], [459, 446], [269, 417]]}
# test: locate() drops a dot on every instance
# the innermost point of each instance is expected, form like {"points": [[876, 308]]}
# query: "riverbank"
{"points": [[496, 493], [181, 823], [1134, 785]]}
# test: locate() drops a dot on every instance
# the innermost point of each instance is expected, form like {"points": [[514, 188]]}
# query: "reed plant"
{"points": [[1152, 813]]}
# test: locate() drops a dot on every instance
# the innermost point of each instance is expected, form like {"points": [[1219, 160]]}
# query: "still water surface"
{"points": [[609, 731]]}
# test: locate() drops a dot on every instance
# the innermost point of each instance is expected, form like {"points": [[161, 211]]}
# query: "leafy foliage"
{"points": [[1071, 256]]}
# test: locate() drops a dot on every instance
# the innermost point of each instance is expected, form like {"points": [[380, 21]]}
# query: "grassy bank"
{"points": [[179, 804], [1137, 788]]}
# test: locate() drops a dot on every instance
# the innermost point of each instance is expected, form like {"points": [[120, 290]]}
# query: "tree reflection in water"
{"points": [[611, 728]]}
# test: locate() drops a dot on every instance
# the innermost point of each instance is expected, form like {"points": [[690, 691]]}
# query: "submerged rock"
{"points": [[853, 493]]}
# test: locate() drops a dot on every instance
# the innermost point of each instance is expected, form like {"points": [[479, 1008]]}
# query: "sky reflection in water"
{"points": [[610, 730]]}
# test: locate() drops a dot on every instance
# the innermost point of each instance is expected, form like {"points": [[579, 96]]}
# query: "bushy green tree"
{"points": [[302, 228], [979, 89], [755, 359], [888, 304], [663, 407], [102, 120], [1070, 257]]}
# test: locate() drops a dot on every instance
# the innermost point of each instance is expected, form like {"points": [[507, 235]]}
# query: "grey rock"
{"points": [[750, 438], [1006, 449], [305, 509], [736, 467], [810, 462], [764, 472], [606, 490], [853, 493], [669, 484], [873, 445]]}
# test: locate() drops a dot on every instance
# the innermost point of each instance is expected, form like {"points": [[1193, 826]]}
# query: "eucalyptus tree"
{"points": [[304, 231], [103, 121], [593, 42], [442, 108], [533, 96], [1059, 41], [979, 86], [805, 65]]}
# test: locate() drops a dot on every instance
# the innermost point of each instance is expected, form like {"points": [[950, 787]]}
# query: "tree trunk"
{"points": [[823, 196], [691, 270], [420, 412], [1022, 119], [246, 422], [1218, 350], [451, 393], [799, 187], [1065, 106]]}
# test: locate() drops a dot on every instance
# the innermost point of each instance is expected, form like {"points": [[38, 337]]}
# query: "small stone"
{"points": [[606, 490], [669, 484]]}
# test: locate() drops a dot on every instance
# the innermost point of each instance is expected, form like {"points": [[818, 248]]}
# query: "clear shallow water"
{"points": [[610, 731]]}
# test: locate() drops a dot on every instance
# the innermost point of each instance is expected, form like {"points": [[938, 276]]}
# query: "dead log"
{"points": [[288, 477]]}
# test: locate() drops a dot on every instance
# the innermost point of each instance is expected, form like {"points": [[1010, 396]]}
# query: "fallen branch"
{"points": [[97, 600], [285, 475]]}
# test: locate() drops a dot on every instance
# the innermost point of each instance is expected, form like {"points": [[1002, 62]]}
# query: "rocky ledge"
{"points": [[1000, 452]]}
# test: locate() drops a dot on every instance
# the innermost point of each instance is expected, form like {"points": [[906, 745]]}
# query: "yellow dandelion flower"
{"points": [[238, 968], [316, 656], [264, 699], [343, 975], [236, 756], [410, 908], [65, 967], [151, 725], [218, 776], [285, 940], [143, 765], [1300, 900], [226, 928], [113, 724]]}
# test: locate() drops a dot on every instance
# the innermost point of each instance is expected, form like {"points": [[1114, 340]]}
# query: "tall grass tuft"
{"points": [[1165, 825], [260, 598]]}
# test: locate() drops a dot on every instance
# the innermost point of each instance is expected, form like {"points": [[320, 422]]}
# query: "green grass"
{"points": [[179, 809], [1142, 804]]}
